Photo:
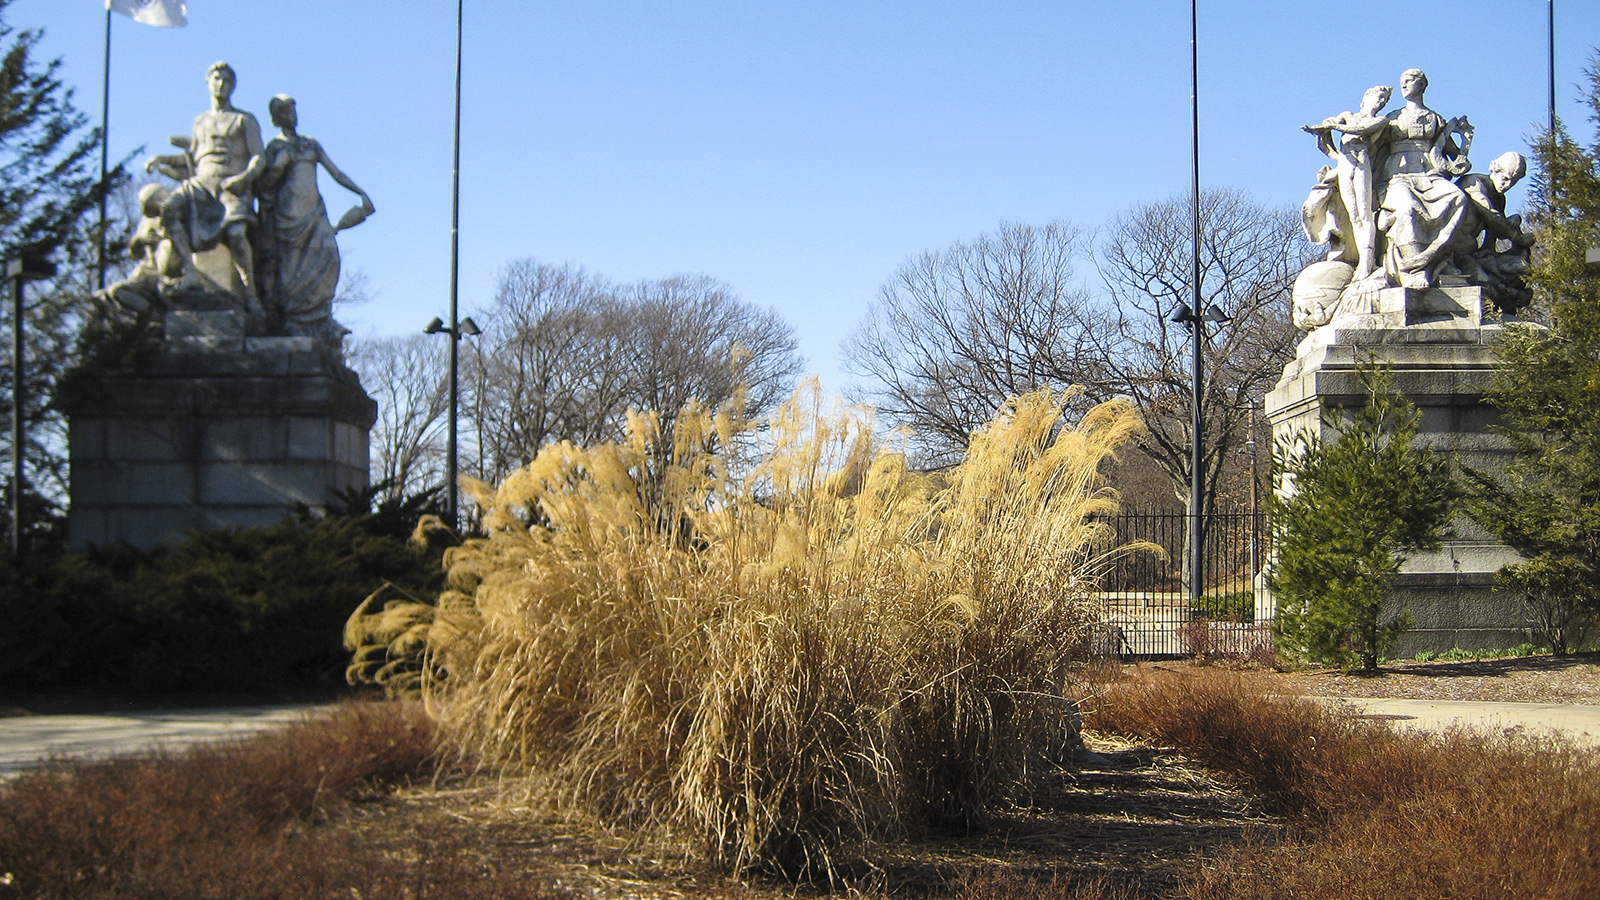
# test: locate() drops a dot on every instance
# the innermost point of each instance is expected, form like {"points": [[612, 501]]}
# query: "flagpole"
{"points": [[105, 148]]}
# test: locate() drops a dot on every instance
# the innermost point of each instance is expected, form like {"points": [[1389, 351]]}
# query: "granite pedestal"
{"points": [[213, 429], [1439, 350]]}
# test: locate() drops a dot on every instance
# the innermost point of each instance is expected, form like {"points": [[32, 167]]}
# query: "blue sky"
{"points": [[801, 152]]}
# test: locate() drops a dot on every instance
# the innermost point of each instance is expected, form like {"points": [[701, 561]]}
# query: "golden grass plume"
{"points": [[775, 654]]}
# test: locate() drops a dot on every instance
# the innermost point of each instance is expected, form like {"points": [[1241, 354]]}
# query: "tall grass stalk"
{"points": [[778, 658]]}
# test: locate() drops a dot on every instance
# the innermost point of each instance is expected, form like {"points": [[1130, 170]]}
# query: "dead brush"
{"points": [[230, 819], [780, 659], [1384, 813], [1228, 642]]}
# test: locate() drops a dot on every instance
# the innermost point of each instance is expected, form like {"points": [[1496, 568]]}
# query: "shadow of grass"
{"points": [[1490, 668]]}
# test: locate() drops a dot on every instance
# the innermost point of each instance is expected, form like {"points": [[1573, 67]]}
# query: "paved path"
{"points": [[24, 740], [1582, 723]]}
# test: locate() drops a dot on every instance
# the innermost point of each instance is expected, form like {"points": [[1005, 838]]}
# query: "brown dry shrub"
{"points": [[235, 819], [1221, 641], [1383, 813]]}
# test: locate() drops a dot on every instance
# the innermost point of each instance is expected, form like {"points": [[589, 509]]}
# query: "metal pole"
{"points": [[1552, 67], [1197, 333], [455, 257], [1255, 506], [17, 431], [105, 148]]}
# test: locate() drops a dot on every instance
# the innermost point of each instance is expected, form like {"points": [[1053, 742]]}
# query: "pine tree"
{"points": [[47, 178], [1357, 505], [1546, 504], [49, 189]]}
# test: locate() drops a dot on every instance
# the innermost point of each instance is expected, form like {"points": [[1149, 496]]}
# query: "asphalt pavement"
{"points": [[1576, 721], [25, 740]]}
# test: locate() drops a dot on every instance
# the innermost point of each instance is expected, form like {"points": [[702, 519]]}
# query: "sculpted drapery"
{"points": [[299, 257]]}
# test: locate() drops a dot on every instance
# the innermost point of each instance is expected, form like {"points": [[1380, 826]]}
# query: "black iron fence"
{"points": [[1146, 595]]}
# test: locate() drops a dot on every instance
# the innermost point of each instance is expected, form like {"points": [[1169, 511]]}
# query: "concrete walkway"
{"points": [[1579, 722], [25, 740]]}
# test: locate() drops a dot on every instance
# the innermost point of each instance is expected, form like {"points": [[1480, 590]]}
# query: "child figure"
{"points": [[144, 290], [1353, 176]]}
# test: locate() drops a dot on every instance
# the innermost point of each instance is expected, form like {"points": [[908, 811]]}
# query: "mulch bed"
{"points": [[1528, 679]]}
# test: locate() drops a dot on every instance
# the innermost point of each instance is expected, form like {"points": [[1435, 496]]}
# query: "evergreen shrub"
{"points": [[1354, 507], [1546, 503], [237, 610]]}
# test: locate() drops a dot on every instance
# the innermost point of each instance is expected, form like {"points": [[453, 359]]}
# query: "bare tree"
{"points": [[1249, 257], [566, 354], [692, 339], [408, 377], [954, 333], [546, 366]]}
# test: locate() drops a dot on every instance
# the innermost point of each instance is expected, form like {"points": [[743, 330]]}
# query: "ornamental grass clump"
{"points": [[777, 654]]}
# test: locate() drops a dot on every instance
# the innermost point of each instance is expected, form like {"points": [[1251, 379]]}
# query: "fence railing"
{"points": [[1145, 593]]}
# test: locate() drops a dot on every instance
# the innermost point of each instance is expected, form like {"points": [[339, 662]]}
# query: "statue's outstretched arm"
{"points": [[343, 180], [1365, 127], [173, 165], [1324, 136]]}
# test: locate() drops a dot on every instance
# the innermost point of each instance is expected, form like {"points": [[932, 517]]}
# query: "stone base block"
{"points": [[206, 438], [1457, 611], [1444, 369]]}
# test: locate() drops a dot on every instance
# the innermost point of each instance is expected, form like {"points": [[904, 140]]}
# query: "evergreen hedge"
{"points": [[238, 610]]}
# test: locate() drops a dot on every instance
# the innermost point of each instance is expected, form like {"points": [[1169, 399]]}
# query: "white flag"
{"points": [[160, 13]]}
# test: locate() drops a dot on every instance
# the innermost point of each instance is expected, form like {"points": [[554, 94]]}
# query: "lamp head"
{"points": [[30, 267], [434, 327]]}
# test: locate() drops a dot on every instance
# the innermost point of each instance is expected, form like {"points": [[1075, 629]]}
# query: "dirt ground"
{"points": [[1138, 820], [1531, 679]]}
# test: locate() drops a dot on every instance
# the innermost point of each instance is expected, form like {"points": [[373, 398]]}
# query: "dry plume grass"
{"points": [[777, 660], [1382, 813]]}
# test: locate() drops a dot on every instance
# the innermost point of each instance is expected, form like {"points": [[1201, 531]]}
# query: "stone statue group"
{"points": [[245, 229], [1400, 207]]}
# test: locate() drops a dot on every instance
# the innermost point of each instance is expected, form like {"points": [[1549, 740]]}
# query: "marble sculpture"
{"points": [[244, 229], [1399, 207]]}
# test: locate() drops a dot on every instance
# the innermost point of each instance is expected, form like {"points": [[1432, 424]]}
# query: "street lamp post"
{"points": [[1197, 335], [20, 270], [457, 330], [1255, 505]]}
